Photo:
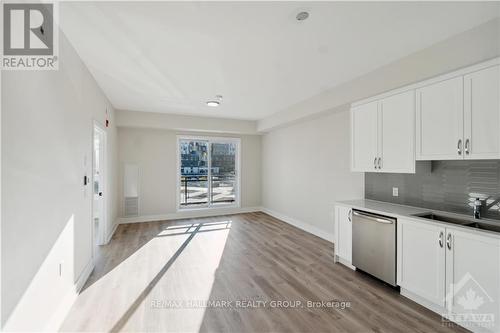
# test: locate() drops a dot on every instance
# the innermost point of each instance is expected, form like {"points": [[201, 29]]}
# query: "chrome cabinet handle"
{"points": [[467, 146], [349, 215], [459, 147], [448, 241], [375, 163], [379, 163], [440, 240]]}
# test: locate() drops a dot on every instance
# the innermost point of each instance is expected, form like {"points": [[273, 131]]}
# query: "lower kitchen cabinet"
{"points": [[343, 233], [421, 260], [454, 271], [473, 277]]}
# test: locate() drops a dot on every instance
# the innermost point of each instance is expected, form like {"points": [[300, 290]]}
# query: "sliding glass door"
{"points": [[223, 173], [193, 172], [208, 172]]}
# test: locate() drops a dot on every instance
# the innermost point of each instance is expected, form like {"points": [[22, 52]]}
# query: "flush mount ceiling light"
{"points": [[215, 102], [302, 16]]}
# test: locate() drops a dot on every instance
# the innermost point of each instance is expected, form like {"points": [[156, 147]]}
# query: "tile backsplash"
{"points": [[445, 185]]}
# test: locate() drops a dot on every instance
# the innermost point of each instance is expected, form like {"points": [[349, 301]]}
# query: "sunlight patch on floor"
{"points": [[142, 279]]}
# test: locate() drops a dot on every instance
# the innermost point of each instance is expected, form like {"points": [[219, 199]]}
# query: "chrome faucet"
{"points": [[477, 209]]}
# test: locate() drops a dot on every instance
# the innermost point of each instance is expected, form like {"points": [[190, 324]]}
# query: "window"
{"points": [[208, 172]]}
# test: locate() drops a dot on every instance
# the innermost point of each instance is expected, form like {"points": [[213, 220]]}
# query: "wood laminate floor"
{"points": [[258, 272]]}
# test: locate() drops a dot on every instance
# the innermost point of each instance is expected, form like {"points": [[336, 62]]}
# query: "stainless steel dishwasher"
{"points": [[374, 245]]}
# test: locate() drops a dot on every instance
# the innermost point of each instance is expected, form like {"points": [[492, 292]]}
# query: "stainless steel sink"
{"points": [[444, 218], [461, 221], [484, 226]]}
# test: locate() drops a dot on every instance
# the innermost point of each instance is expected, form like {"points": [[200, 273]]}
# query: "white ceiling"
{"points": [[172, 57]]}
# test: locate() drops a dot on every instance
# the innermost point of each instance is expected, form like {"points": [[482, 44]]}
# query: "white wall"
{"points": [[47, 123], [467, 48], [306, 165], [305, 169], [155, 151]]}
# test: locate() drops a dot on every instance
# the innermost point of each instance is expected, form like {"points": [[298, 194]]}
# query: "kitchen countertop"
{"points": [[408, 212]]}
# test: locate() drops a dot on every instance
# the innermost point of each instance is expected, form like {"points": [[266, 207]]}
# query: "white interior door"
{"points": [[99, 185], [440, 120], [364, 137], [482, 114], [397, 133]]}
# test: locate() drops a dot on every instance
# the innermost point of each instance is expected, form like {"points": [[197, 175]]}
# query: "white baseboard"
{"points": [[64, 307], [193, 213], [84, 275], [110, 235], [344, 262], [299, 224]]}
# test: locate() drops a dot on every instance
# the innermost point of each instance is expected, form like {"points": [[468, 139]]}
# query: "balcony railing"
{"points": [[195, 189]]}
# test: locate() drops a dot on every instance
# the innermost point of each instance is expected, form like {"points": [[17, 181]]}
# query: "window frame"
{"points": [[209, 205]]}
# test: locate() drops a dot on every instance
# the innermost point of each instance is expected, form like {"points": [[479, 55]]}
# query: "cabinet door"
{"points": [[440, 120], [364, 137], [343, 232], [397, 133], [421, 260], [482, 114], [473, 277]]}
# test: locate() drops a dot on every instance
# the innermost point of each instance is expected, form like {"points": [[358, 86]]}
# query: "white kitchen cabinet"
{"points": [[453, 271], [396, 138], [343, 233], [421, 260], [459, 118], [473, 275], [454, 116], [439, 119], [482, 114], [383, 134], [364, 143]]}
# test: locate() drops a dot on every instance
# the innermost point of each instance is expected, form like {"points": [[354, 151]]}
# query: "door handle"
{"points": [[375, 163], [448, 241], [467, 142], [100, 194], [379, 163], [349, 215], [459, 147], [440, 239], [373, 217]]}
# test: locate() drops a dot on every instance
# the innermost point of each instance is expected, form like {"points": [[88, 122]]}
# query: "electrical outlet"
{"points": [[395, 191]]}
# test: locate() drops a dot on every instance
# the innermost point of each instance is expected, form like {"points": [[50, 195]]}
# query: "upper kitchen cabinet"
{"points": [[397, 133], [459, 118], [454, 116], [482, 114], [439, 129], [383, 134], [364, 142]]}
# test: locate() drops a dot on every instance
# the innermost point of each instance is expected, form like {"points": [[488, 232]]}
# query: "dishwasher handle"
{"points": [[373, 217]]}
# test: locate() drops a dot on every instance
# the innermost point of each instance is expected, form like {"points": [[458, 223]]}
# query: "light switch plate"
{"points": [[395, 191]]}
